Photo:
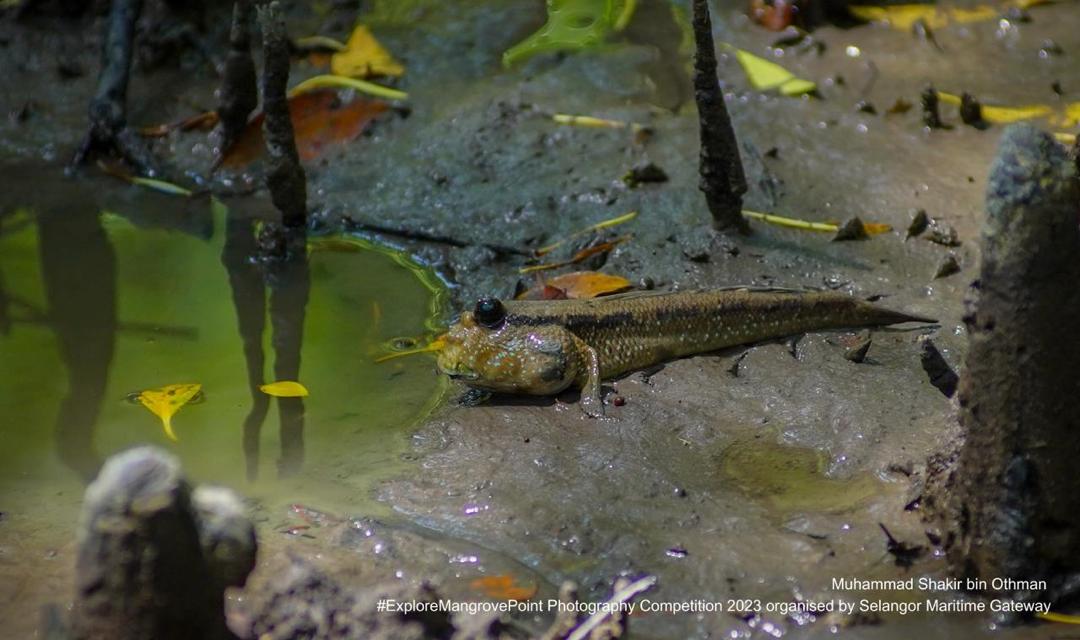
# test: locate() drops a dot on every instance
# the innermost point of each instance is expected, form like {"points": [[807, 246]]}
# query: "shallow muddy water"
{"points": [[97, 308]]}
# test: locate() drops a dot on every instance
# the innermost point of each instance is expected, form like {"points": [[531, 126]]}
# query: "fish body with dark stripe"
{"points": [[543, 347]]}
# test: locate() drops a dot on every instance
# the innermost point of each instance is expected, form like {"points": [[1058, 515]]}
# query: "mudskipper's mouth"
{"points": [[467, 377]]}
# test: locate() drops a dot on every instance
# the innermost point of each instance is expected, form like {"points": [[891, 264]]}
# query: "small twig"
{"points": [[621, 597], [421, 236]]}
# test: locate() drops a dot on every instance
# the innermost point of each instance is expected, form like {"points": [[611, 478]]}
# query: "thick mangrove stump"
{"points": [[1015, 495], [722, 177], [153, 561]]}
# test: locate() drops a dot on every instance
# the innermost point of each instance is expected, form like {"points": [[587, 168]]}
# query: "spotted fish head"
{"points": [[487, 349]]}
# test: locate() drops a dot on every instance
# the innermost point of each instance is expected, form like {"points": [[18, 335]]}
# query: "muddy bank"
{"points": [[757, 473]]}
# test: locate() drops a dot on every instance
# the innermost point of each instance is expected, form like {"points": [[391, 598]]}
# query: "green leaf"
{"points": [[573, 25]]}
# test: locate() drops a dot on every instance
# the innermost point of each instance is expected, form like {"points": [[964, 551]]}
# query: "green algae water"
{"points": [[789, 479], [95, 308]]}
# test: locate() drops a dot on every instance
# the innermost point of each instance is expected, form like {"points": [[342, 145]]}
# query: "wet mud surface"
{"points": [[757, 473]]}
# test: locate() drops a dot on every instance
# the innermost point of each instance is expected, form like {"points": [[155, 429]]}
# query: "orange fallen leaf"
{"points": [[164, 402], [542, 291], [503, 587], [319, 121], [577, 285]]}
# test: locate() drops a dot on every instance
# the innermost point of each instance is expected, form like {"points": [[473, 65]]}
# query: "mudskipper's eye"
{"points": [[489, 312]]}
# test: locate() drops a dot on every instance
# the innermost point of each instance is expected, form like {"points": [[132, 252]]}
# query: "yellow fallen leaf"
{"points": [[1065, 138], [164, 402], [1063, 618], [592, 121], [981, 13], [603, 224], [320, 42], [1071, 117], [901, 16], [797, 87], [765, 75], [149, 183], [791, 223], [344, 82], [1003, 115], [871, 228], [581, 255], [284, 389], [364, 57], [904, 16]]}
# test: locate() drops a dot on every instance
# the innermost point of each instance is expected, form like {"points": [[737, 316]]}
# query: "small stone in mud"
{"points": [[618, 401], [678, 551], [773, 152], [853, 229], [473, 397], [904, 554], [865, 106], [1055, 86], [949, 265], [971, 111], [697, 244], [792, 35], [1050, 48], [919, 222], [69, 69], [940, 373], [680, 492], [645, 173], [943, 233], [857, 352], [930, 113]]}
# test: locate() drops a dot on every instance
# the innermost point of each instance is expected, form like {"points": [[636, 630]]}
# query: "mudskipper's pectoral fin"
{"points": [[473, 397], [589, 381]]}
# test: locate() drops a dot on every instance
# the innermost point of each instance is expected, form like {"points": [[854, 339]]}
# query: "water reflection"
{"points": [[79, 281], [288, 282], [99, 300], [78, 272]]}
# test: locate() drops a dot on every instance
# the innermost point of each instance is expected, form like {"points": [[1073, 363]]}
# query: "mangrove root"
{"points": [[722, 177], [154, 558], [1016, 493]]}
